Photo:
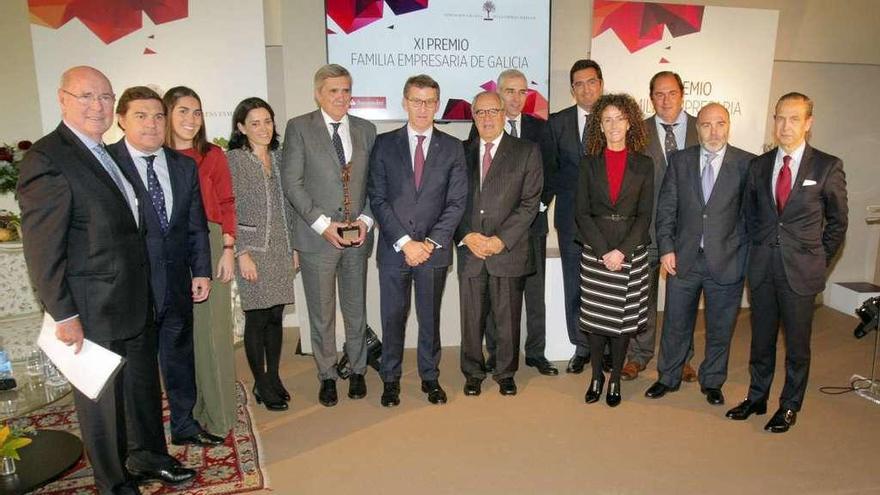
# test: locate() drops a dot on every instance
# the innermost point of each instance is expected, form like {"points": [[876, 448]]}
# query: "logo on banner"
{"points": [[489, 7]]}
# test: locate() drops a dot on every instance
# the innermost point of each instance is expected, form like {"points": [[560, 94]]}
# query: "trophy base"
{"points": [[349, 234]]}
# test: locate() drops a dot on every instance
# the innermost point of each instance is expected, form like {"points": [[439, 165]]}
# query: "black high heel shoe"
{"points": [[270, 399], [613, 397], [279, 389], [594, 392]]}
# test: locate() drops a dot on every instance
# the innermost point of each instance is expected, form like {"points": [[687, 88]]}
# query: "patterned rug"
{"points": [[233, 467]]}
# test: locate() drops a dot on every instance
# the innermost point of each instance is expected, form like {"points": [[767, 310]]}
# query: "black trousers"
{"points": [[570, 254], [536, 321], [502, 297], [124, 426], [395, 288], [177, 363], [774, 302], [617, 345], [680, 315], [262, 341]]}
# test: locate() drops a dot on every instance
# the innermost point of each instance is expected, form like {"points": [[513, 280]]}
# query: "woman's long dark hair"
{"points": [[237, 139], [200, 140]]}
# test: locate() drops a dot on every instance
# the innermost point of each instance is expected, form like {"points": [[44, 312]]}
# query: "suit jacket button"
{"points": [[482, 212], [705, 216]]}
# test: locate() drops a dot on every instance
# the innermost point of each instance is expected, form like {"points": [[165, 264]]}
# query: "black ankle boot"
{"points": [[594, 392], [279, 388], [613, 397], [265, 394]]}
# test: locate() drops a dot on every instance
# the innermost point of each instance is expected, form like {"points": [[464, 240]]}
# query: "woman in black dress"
{"points": [[613, 214]]}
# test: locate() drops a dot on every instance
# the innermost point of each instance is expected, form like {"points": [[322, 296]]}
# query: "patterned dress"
{"points": [[614, 303]]}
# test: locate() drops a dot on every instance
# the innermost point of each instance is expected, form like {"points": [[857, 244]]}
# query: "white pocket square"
{"points": [[809, 182]]}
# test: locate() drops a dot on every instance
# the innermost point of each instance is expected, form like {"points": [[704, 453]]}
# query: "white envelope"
{"points": [[89, 371], [809, 182]]}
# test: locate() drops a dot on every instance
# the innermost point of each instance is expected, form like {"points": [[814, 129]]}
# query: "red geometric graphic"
{"points": [[457, 109], [351, 15], [640, 24], [108, 19]]}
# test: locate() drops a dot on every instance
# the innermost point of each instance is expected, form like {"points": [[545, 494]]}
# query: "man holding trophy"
{"points": [[324, 175]]}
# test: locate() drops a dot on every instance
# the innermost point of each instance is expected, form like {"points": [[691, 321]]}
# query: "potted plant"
{"points": [[12, 439], [10, 157]]}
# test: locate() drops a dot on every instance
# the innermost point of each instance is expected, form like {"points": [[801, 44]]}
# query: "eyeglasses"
{"points": [[87, 98], [487, 112], [589, 82], [418, 103]]}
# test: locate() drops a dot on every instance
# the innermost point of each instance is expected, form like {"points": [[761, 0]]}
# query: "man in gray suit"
{"points": [[670, 129], [703, 247], [506, 178], [317, 147]]}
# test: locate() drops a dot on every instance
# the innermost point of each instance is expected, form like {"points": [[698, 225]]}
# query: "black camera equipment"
{"points": [[869, 313]]}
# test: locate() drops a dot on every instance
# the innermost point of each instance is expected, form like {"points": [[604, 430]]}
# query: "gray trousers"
{"points": [[321, 273]]}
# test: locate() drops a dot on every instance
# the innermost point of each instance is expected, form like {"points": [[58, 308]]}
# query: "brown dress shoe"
{"points": [[688, 373], [631, 371]]}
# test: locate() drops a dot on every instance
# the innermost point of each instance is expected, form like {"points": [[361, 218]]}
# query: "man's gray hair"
{"points": [[510, 74], [330, 71]]}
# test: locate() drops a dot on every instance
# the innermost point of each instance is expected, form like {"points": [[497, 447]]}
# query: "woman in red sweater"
{"points": [[215, 406]]}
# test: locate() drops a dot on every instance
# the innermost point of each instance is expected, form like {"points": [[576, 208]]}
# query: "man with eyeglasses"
{"points": [[670, 129], [417, 189], [505, 181], [84, 247], [513, 87], [568, 133]]}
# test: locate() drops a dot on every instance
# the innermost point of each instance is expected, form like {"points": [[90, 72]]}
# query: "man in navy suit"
{"points": [[167, 184], [418, 189]]}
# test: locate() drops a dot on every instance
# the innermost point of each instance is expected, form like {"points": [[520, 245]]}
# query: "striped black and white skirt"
{"points": [[614, 303]]}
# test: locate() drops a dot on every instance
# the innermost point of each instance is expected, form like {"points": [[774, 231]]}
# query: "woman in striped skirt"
{"points": [[613, 214]]}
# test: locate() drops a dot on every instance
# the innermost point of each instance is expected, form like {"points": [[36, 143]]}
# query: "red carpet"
{"points": [[233, 467]]}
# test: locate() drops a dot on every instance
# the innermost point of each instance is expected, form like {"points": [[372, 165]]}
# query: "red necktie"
{"points": [[419, 161], [487, 162], [783, 184]]}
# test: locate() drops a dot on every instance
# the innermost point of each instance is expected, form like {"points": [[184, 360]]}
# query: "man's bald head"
{"points": [[713, 126], [86, 100]]}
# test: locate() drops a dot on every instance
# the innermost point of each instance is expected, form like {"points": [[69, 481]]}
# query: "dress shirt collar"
{"points": [[495, 142], [411, 134], [796, 155], [517, 119], [136, 154], [329, 120], [87, 141]]}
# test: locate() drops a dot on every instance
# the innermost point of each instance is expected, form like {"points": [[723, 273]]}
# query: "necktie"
{"points": [[337, 143], [419, 162], [783, 184], [670, 144], [584, 135], [708, 176], [487, 162], [513, 132], [115, 175], [156, 194]]}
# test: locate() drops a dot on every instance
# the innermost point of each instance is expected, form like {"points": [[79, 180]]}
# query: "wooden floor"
{"points": [[546, 440]]}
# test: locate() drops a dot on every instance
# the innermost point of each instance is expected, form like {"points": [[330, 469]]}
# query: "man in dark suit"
{"points": [[167, 184], [703, 247], [505, 178], [670, 129], [796, 218], [568, 134], [513, 87], [418, 189], [84, 248], [318, 146]]}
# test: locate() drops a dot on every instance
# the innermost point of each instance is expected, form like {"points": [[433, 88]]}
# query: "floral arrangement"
{"points": [[10, 226], [12, 439], [10, 157]]}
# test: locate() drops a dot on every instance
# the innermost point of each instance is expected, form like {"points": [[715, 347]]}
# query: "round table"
{"points": [[30, 394], [50, 454]]}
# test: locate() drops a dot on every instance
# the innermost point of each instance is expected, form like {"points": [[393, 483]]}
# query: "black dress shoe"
{"points": [[279, 388], [746, 408], [544, 367], [594, 392], [576, 364], [327, 396], [507, 386], [391, 394], [202, 438], [171, 475], [436, 394], [714, 396], [472, 386], [782, 420], [658, 390], [268, 397], [613, 397], [357, 387]]}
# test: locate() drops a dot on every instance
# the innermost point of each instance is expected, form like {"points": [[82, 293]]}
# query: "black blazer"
{"points": [[635, 201], [84, 251], [505, 206], [683, 217], [566, 144], [183, 252], [433, 211], [537, 131], [811, 228]]}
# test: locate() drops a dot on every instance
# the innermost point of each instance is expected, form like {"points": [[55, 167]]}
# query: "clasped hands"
{"points": [[483, 246], [613, 260], [417, 252], [331, 234]]}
